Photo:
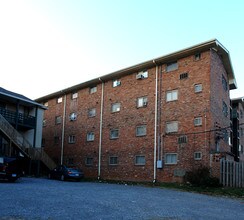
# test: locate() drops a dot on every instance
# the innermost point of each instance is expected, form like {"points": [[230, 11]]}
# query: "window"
{"points": [[198, 121], [171, 126], [224, 83], [44, 123], [113, 160], [171, 95], [46, 104], [93, 89], [91, 112], [59, 99], [171, 66], [58, 120], [73, 116], [198, 88], [171, 158], [115, 107], [142, 75], [141, 130], [56, 139], [141, 102], [197, 56], [182, 139], [71, 139], [140, 160], [74, 95], [197, 155], [116, 83], [89, 161], [225, 109], [183, 75], [90, 136], [114, 133]]}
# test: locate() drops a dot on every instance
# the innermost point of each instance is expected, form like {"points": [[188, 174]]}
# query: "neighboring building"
{"points": [[238, 128], [150, 122], [21, 122]]}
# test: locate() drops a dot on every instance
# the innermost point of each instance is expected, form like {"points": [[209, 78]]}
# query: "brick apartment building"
{"points": [[238, 128], [149, 122]]}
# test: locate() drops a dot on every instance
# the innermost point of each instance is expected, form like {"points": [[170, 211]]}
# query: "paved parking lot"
{"points": [[32, 198]]}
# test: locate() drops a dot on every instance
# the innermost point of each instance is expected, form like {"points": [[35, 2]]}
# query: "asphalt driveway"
{"points": [[32, 198]]}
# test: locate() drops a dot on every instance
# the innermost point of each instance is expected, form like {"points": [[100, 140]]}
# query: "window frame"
{"points": [[197, 153], [71, 139], [197, 119], [172, 66], [86, 161], [113, 106], [198, 88], [170, 95], [144, 101], [73, 116], [93, 89], [114, 130], [59, 100], [168, 123], [139, 163], [142, 74], [139, 127], [58, 120], [74, 95], [171, 163], [113, 162], [90, 134], [116, 83]]}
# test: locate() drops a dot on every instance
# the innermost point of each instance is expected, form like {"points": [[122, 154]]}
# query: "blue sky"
{"points": [[46, 46]]}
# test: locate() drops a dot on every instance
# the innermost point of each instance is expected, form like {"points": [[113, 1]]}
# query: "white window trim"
{"points": [[169, 163], [197, 158], [117, 109], [113, 164], [170, 123], [141, 126], [92, 110], [198, 121], [198, 88], [90, 134], [116, 83], [71, 139], [74, 95], [172, 95], [142, 102], [111, 134], [93, 89]]}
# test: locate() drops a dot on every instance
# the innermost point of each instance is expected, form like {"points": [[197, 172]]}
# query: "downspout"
{"points": [[63, 127], [100, 131], [155, 125]]}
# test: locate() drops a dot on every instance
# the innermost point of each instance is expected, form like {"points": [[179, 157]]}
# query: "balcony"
{"points": [[23, 121]]}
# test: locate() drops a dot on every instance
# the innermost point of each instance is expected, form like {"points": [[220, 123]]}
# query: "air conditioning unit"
{"points": [[144, 103], [73, 117], [140, 76], [118, 83]]}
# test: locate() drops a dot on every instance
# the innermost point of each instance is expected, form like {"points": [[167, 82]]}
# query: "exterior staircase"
{"points": [[24, 145]]}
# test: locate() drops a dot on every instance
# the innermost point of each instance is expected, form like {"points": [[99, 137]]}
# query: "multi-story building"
{"points": [[151, 121], [238, 128], [21, 123]]}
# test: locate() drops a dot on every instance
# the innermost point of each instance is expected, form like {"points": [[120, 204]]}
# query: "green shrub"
{"points": [[201, 177]]}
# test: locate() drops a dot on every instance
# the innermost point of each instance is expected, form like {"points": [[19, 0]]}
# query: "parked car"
{"points": [[9, 169], [66, 173]]}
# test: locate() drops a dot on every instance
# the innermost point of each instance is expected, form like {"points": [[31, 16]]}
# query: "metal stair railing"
{"points": [[24, 145]]}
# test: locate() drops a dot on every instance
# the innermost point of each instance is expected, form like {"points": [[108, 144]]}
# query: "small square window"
{"points": [[73, 116], [93, 89], [171, 66], [197, 56], [140, 160], [113, 160], [171, 95], [59, 99], [114, 133], [198, 88], [171, 158], [142, 75], [74, 95], [171, 126], [90, 136], [71, 139], [141, 130], [141, 102], [116, 83], [91, 112], [197, 155], [58, 120], [198, 121], [89, 161], [115, 107]]}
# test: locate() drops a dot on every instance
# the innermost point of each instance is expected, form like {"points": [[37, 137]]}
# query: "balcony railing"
{"points": [[19, 118]]}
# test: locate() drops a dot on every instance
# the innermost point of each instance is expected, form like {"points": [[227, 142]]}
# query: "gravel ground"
{"points": [[31, 198]]}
